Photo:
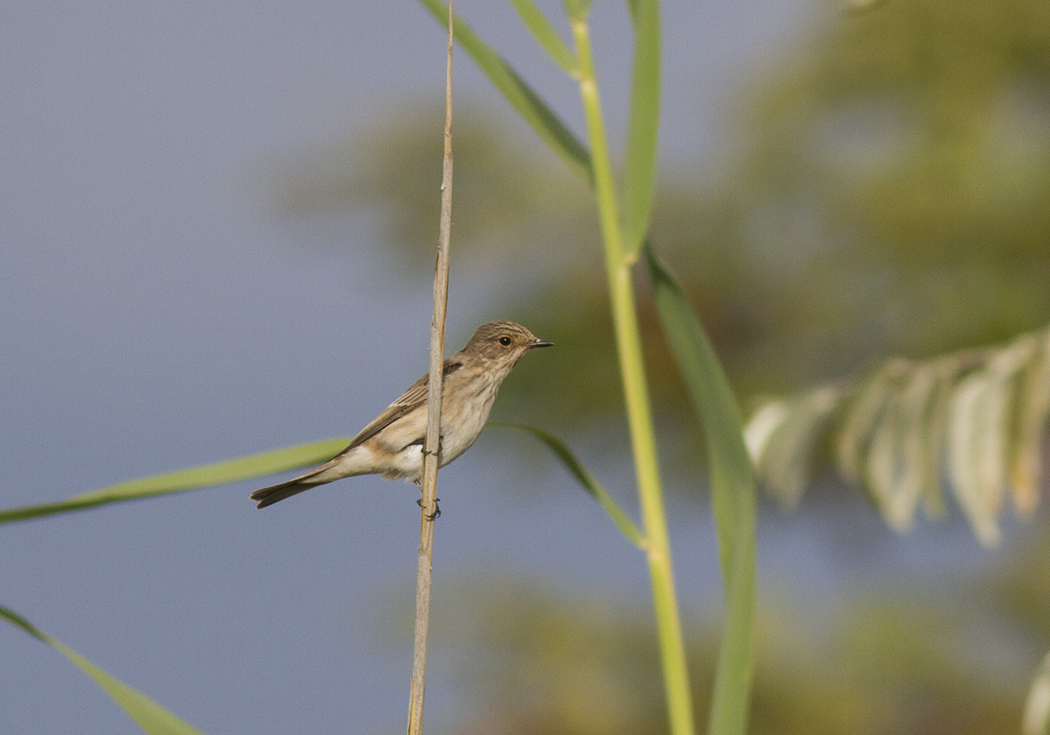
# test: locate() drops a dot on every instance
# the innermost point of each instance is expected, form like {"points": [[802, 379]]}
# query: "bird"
{"points": [[392, 445]]}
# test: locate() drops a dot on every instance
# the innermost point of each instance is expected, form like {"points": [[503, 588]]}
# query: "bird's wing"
{"points": [[409, 401]]}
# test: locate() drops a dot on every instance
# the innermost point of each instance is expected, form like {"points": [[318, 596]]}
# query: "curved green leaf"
{"points": [[863, 416], [218, 473], [783, 439], [589, 482], [519, 94], [977, 416], [911, 464], [548, 38], [642, 126], [933, 435], [732, 493], [980, 435], [761, 430], [577, 10], [1026, 463], [1037, 707], [150, 716]]}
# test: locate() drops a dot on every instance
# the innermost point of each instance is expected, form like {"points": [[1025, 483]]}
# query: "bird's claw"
{"points": [[441, 440], [437, 509]]}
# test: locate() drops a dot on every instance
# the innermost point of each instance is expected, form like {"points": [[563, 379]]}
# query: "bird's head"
{"points": [[503, 343]]}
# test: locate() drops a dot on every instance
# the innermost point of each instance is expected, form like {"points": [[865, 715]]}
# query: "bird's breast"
{"points": [[465, 409]]}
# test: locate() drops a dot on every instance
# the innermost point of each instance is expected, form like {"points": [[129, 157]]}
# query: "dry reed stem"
{"points": [[430, 457]]}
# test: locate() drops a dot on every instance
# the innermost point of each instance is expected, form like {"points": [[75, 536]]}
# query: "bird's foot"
{"points": [[437, 509], [424, 452]]}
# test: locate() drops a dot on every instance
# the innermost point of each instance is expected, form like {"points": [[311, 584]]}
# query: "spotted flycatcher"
{"points": [[392, 445]]}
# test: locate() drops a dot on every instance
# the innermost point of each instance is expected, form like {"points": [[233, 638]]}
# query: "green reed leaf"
{"points": [[980, 436], [577, 10], [150, 716], [863, 415], [218, 473], [533, 110], [642, 126], [732, 492], [1033, 412], [547, 36], [784, 438], [588, 481]]}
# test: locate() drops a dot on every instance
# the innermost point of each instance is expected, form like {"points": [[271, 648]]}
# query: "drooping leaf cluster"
{"points": [[976, 418]]}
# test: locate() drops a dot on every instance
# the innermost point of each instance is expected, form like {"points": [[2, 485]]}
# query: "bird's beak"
{"points": [[541, 343]]}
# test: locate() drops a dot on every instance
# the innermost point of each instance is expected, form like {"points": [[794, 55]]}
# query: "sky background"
{"points": [[156, 313]]}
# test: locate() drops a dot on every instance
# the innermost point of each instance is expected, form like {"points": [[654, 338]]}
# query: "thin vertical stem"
{"points": [[639, 414], [433, 437]]}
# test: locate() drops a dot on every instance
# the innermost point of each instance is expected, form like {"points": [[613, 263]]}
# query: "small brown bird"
{"points": [[392, 445]]}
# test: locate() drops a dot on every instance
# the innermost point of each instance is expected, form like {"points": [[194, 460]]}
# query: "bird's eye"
{"points": [[505, 341]]}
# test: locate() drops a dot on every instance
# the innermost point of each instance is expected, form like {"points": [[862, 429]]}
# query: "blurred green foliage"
{"points": [[890, 194], [976, 418], [952, 658], [906, 153]]}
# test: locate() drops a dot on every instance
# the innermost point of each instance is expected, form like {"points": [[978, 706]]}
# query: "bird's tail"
{"points": [[333, 469], [274, 493]]}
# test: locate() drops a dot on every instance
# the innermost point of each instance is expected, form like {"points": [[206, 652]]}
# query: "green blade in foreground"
{"points": [[589, 482], [643, 126], [547, 37], [732, 493], [150, 716], [219, 473], [519, 94]]}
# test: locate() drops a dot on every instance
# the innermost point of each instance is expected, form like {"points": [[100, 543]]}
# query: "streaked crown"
{"points": [[502, 342]]}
